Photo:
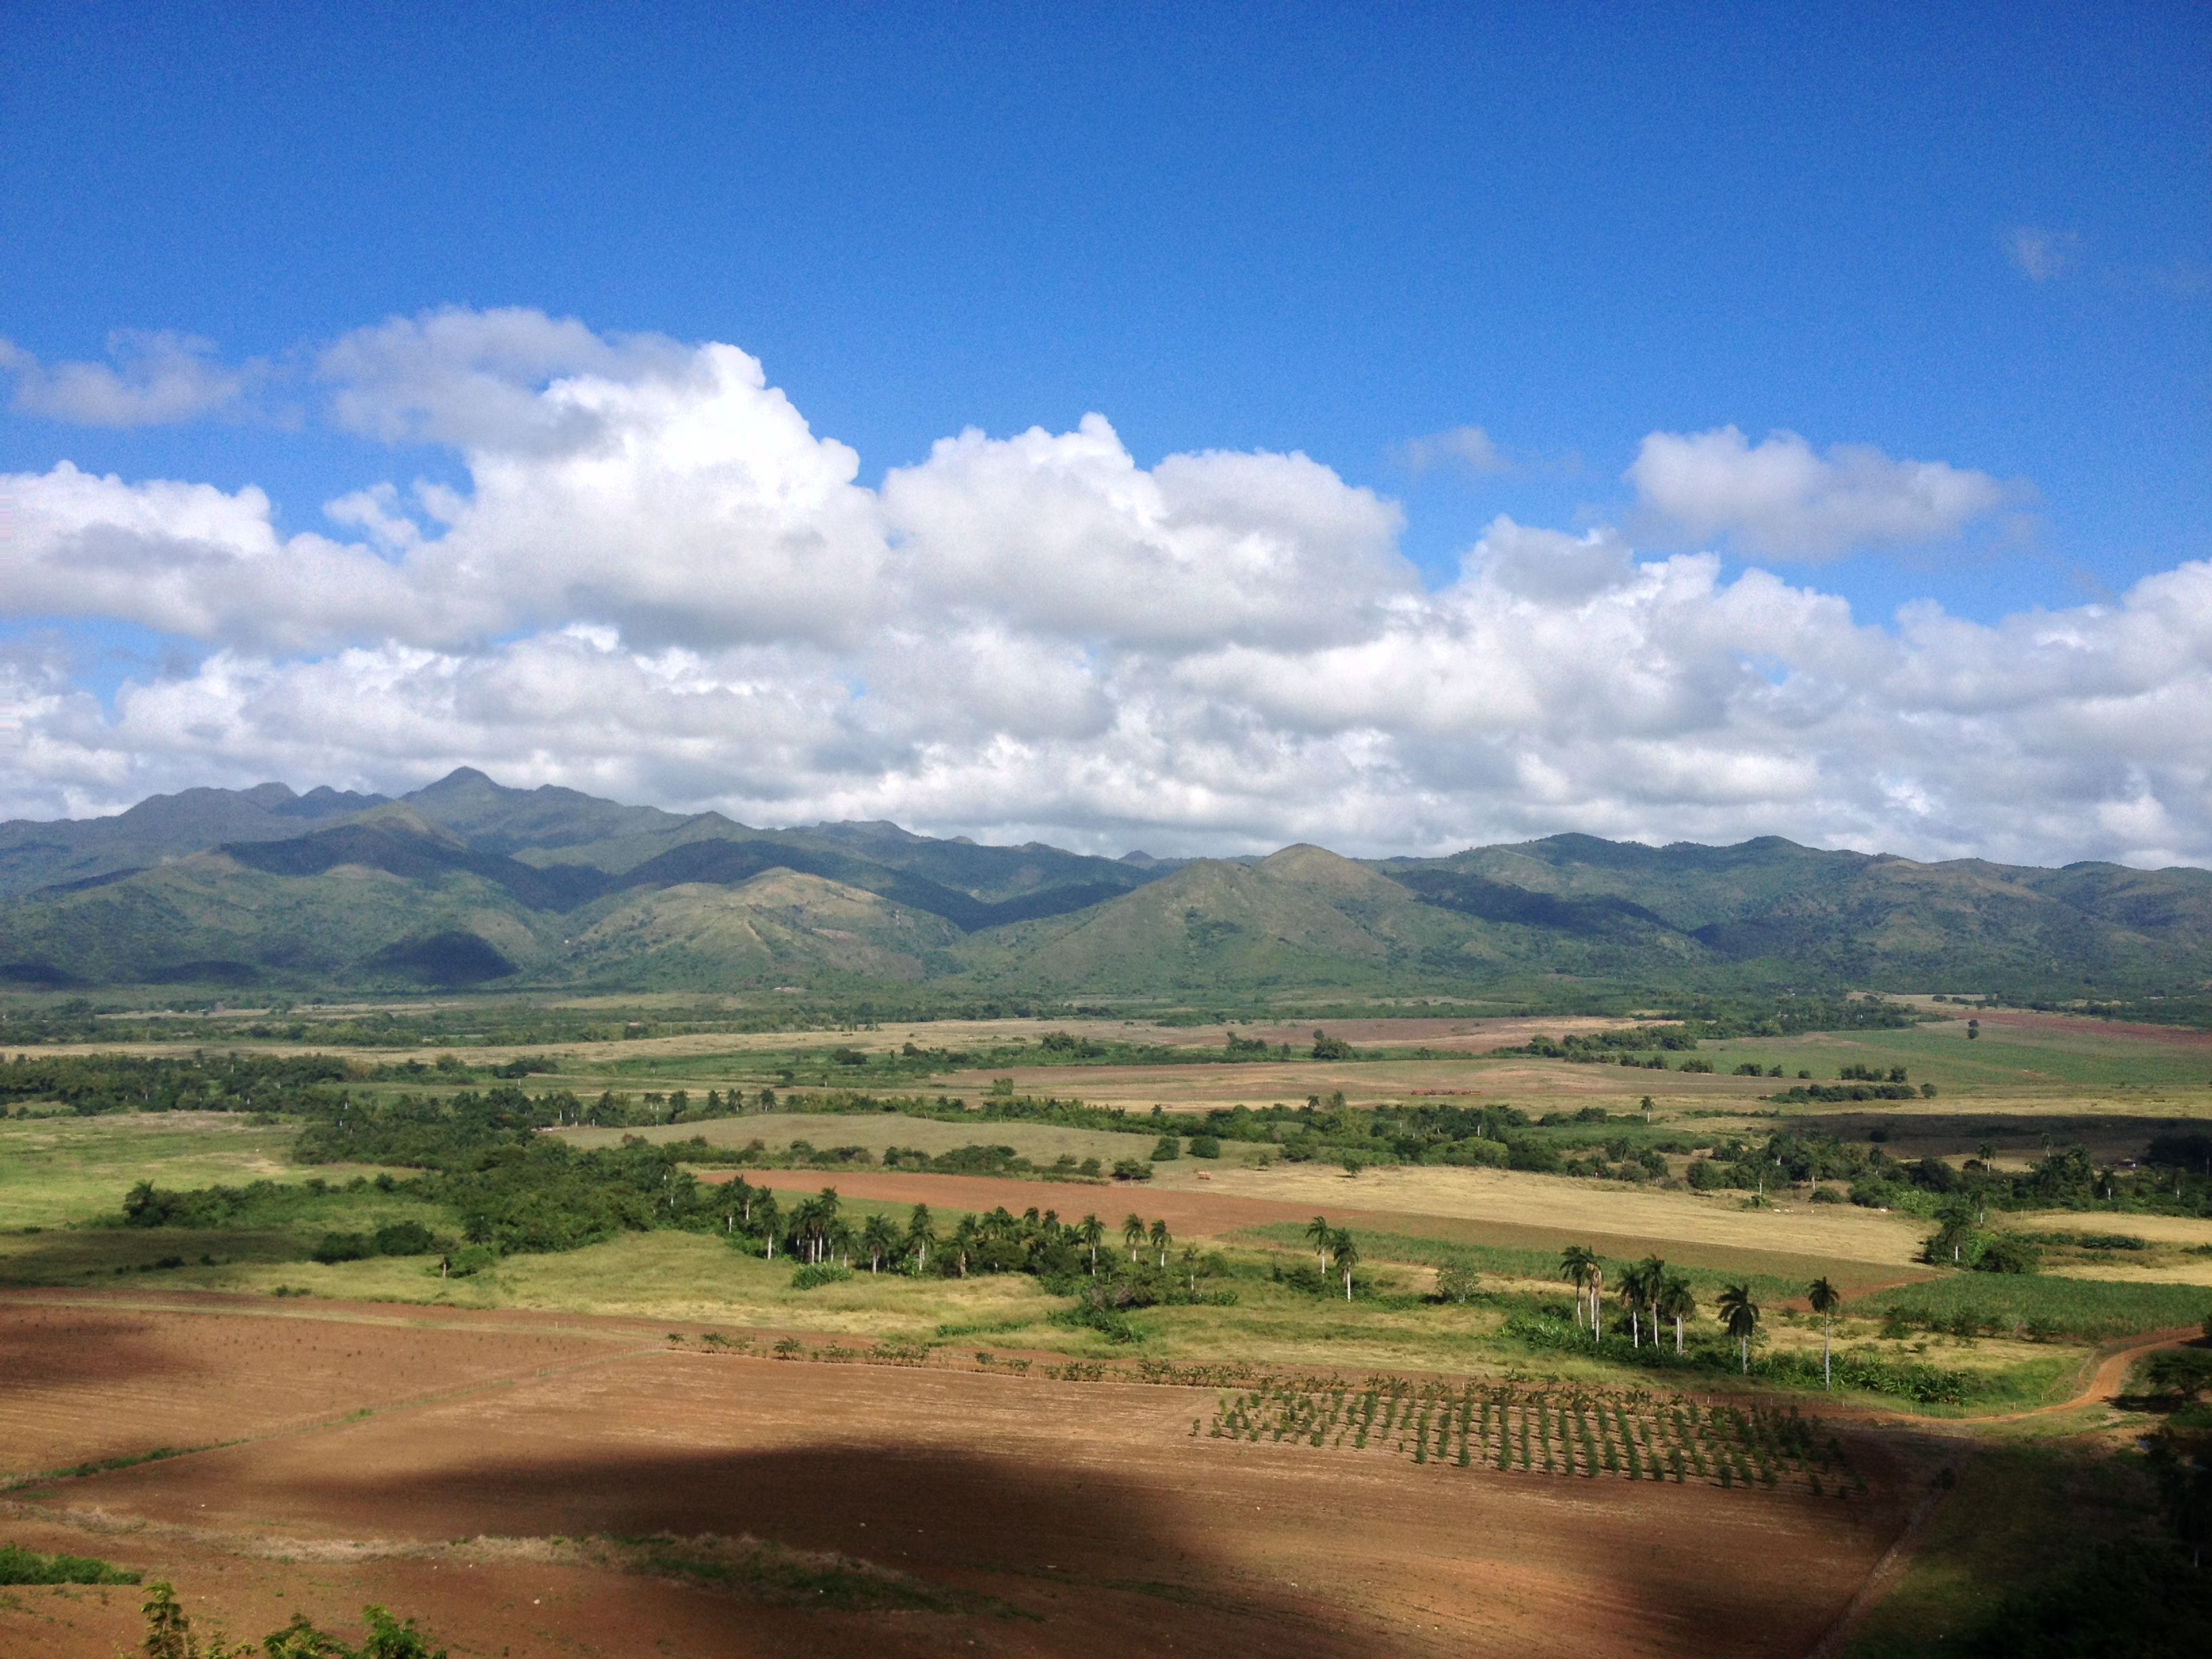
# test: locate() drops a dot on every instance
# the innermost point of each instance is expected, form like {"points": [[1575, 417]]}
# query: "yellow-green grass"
{"points": [[1529, 1260], [2019, 1518], [1645, 1218], [681, 1277], [54, 1170]]}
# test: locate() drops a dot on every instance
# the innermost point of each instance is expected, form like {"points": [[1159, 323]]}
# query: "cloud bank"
{"points": [[660, 584]]}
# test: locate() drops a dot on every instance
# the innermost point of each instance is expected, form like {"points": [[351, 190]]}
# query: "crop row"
{"points": [[1636, 1437]]}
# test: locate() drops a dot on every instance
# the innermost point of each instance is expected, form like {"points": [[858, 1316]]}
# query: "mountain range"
{"points": [[466, 882]]}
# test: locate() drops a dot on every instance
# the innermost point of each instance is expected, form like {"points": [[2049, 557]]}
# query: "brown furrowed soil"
{"points": [[966, 1511], [84, 1381]]}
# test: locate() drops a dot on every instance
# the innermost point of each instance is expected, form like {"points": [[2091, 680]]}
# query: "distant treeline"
{"points": [[92, 1084]]}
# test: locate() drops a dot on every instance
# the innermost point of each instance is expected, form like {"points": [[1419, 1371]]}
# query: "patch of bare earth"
{"points": [[1007, 1516]]}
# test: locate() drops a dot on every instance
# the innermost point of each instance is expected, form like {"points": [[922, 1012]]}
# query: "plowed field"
{"points": [[1013, 1516]]}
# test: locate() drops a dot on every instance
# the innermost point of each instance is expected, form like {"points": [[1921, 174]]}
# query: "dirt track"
{"points": [[1088, 1510]]}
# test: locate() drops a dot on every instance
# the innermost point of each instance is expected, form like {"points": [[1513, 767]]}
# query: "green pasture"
{"points": [[54, 1170], [2003, 1059], [2091, 1309]]}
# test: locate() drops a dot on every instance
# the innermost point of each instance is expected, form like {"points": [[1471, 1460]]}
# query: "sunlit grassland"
{"points": [[54, 1170], [2003, 1059]]}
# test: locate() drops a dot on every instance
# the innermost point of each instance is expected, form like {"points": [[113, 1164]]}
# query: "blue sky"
{"points": [[1973, 235]]}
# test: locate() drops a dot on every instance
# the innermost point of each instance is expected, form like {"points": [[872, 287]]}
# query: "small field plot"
{"points": [[1571, 1208], [1022, 1516], [2005, 1058]]}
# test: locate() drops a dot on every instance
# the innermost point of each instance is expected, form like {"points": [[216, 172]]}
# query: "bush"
{"points": [[1206, 1146], [820, 1272], [1457, 1282], [2008, 1253], [1826, 1195], [1128, 1169], [21, 1566], [1166, 1148], [344, 1247], [1475, 1152]]}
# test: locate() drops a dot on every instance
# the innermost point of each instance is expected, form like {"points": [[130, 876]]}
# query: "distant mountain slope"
{"points": [[35, 854], [467, 881], [779, 925], [1848, 916]]}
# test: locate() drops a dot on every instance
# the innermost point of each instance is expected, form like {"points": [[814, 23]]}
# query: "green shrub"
{"points": [[819, 1272], [1206, 1146], [22, 1567], [1166, 1149]]}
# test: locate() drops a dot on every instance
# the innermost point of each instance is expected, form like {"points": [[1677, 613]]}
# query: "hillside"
{"points": [[469, 881]]}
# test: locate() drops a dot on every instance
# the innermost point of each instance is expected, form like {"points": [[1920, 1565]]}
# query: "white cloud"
{"points": [[660, 584], [2042, 255], [156, 379], [1468, 448], [1781, 500]]}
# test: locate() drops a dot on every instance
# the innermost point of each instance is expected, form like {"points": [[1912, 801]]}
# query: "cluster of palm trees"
{"points": [[1335, 1248], [1651, 1293]]}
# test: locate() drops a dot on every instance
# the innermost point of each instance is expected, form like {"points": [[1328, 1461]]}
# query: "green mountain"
{"points": [[468, 881]]}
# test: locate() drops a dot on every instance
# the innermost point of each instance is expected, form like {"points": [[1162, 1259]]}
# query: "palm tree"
{"points": [[769, 1218], [1741, 1314], [1824, 1299], [879, 1240], [1321, 1233], [1597, 1297], [1091, 1231], [1190, 1266], [1639, 1290], [921, 1234], [1677, 1301], [1575, 1263], [1345, 1255], [1132, 1232], [1160, 1239]]}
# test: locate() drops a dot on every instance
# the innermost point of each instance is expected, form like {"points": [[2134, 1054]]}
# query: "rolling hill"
{"points": [[469, 881]]}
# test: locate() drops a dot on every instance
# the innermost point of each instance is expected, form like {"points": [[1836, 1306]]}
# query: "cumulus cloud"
{"points": [[1780, 498], [660, 584], [153, 378]]}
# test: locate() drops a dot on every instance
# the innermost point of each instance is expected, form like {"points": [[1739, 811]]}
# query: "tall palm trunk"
{"points": [[1678, 1335]]}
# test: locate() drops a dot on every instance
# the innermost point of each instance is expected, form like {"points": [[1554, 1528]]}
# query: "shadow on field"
{"points": [[1228, 1561], [1101, 1563], [48, 1347], [2013, 1135], [88, 1258]]}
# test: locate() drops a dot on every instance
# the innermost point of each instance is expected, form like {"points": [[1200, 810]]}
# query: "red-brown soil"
{"points": [[2026, 1020], [1089, 1511]]}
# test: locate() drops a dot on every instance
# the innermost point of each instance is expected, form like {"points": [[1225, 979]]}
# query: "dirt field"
{"points": [[1035, 1518]]}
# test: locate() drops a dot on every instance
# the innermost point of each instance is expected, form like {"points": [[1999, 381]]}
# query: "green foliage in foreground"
{"points": [[2140, 1598], [22, 1567], [170, 1635], [2091, 1309]]}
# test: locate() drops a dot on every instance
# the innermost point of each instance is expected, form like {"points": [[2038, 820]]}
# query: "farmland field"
{"points": [[663, 1438], [928, 1507]]}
